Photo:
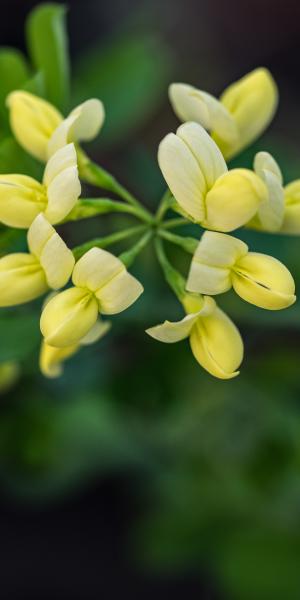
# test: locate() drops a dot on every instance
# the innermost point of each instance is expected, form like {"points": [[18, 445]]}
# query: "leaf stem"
{"points": [[108, 240], [189, 244], [129, 256], [90, 207], [175, 280]]}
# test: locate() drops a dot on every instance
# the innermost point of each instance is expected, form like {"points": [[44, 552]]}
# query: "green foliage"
{"points": [[129, 75], [14, 72], [20, 334], [48, 49]]}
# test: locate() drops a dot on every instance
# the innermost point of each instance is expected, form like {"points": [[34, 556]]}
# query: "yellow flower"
{"points": [[205, 190], [270, 214], [222, 261], [101, 285], [291, 219], [49, 264], [41, 130], [215, 341], [243, 112], [22, 198], [52, 358]]}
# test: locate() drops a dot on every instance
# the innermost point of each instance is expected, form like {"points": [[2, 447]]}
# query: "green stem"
{"points": [[129, 256], [173, 277], [164, 205], [92, 173], [189, 244], [175, 223], [90, 207], [108, 240]]}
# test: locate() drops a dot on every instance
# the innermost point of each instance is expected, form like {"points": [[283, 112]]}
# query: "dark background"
{"points": [[196, 491]]}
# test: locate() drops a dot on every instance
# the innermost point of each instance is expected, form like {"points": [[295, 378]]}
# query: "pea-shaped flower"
{"points": [[205, 190], [215, 341], [52, 359], [48, 265], [22, 198], [270, 214], [40, 128], [101, 285], [222, 261], [243, 112]]}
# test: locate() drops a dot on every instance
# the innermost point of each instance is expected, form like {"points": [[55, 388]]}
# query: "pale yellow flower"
{"points": [[291, 220], [270, 214], [243, 112], [222, 261], [25, 276], [101, 285], [22, 198], [205, 190], [215, 341], [52, 359], [41, 130]]}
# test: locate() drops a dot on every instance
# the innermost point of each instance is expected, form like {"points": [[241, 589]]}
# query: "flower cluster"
{"points": [[201, 189]]}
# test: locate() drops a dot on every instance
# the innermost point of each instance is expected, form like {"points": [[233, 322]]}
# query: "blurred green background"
{"points": [[136, 472]]}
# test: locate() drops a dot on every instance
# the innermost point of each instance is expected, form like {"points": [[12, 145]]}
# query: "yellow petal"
{"points": [[102, 273], [270, 212], [97, 332], [210, 270], [52, 359], [171, 332], [234, 200], [22, 198], [291, 219], [83, 124], [252, 102], [217, 345], [54, 256], [33, 122], [21, 279], [183, 175], [204, 149], [264, 281], [68, 317], [191, 104], [60, 161]]}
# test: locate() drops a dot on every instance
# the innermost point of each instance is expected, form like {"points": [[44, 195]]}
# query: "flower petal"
{"points": [[83, 124], [63, 193], [54, 256], [52, 359], [210, 270], [217, 345], [234, 200], [171, 332], [102, 273], [33, 121], [270, 212], [264, 281], [96, 333], [291, 220], [204, 149], [183, 175], [62, 159], [22, 198], [21, 279], [68, 317], [252, 102]]}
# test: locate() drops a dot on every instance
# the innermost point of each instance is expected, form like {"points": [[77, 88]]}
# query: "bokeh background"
{"points": [[136, 473]]}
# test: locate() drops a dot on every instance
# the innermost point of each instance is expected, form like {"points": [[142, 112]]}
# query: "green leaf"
{"points": [[14, 71], [36, 85], [19, 335], [130, 76], [48, 48]]}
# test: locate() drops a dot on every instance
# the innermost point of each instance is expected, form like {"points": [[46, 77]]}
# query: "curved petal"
{"points": [[52, 359], [62, 159], [63, 193], [183, 175], [54, 256], [22, 198], [270, 212], [21, 279], [264, 281], [291, 219], [68, 317], [83, 124], [252, 101], [106, 276], [33, 121], [205, 151], [97, 332], [170, 333], [234, 200], [210, 270], [217, 345]]}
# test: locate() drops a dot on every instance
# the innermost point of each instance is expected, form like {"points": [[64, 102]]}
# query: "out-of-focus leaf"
{"points": [[19, 335], [13, 159], [36, 84], [129, 75], [14, 71], [48, 49]]}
